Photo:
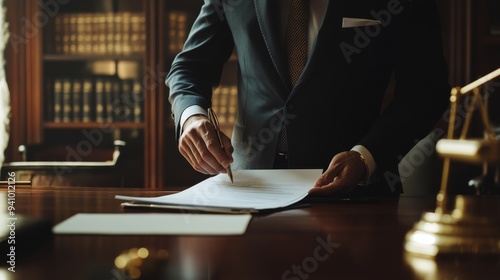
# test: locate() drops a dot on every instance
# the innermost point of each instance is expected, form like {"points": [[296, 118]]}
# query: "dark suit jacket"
{"points": [[337, 102]]}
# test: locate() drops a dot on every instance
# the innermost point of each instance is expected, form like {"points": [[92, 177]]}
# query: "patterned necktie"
{"points": [[297, 36]]}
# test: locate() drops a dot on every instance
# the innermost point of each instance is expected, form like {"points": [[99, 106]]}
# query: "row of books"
{"points": [[98, 33], [98, 99], [177, 31], [225, 103]]}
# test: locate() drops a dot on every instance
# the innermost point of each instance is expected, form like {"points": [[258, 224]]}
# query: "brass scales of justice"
{"points": [[470, 226]]}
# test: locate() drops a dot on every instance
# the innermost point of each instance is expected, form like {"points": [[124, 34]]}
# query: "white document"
{"points": [[252, 190], [154, 224], [358, 22]]}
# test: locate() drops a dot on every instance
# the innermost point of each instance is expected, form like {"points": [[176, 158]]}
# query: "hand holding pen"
{"points": [[213, 119], [207, 149]]}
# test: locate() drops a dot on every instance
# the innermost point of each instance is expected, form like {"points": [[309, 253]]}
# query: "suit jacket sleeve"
{"points": [[198, 67]]}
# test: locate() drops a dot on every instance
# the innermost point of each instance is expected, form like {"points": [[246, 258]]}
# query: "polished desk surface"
{"points": [[325, 240]]}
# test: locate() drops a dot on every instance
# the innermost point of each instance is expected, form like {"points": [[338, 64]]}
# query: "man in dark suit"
{"points": [[330, 115]]}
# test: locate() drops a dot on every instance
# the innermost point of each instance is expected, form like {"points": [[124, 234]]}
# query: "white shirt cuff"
{"points": [[189, 111], [370, 162]]}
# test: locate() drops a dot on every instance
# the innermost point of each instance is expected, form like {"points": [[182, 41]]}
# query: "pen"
{"points": [[213, 119]]}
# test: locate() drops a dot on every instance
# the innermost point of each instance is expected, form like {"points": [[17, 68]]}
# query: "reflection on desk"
{"points": [[323, 241]]}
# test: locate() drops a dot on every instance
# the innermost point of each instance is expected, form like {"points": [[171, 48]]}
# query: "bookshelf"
{"points": [[86, 62]]}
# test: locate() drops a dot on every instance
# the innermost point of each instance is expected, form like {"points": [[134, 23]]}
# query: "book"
{"points": [[225, 104], [233, 105], [80, 34], [108, 100], [126, 33], [58, 34], [87, 36], [58, 93], [66, 100], [73, 33], [99, 100], [87, 100], [77, 100], [138, 101], [118, 112], [126, 98], [66, 32], [177, 31], [117, 32]]}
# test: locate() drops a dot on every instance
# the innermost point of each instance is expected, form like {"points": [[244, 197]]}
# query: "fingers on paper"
{"points": [[339, 178]]}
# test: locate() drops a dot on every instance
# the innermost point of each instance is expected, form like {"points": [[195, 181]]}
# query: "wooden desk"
{"points": [[323, 241]]}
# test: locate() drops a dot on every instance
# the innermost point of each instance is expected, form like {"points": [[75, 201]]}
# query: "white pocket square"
{"points": [[357, 22]]}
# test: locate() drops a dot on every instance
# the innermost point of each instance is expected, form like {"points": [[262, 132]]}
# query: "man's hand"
{"points": [[201, 148], [345, 171]]}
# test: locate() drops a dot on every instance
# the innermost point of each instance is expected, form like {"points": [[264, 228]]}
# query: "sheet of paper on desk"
{"points": [[251, 190], [154, 224]]}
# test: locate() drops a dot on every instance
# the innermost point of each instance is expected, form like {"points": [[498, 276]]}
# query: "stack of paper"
{"points": [[252, 191]]}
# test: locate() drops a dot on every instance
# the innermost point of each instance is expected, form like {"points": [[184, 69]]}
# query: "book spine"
{"points": [[58, 34], [117, 32], [95, 35], [126, 33], [87, 36], [101, 31], [109, 31], [138, 98], [58, 100], [80, 33], [126, 99], [108, 98], [73, 33], [87, 100], [233, 104], [172, 32], [117, 107], [177, 31], [66, 100], [77, 100], [99, 96], [181, 30], [224, 101], [66, 32], [216, 100]]}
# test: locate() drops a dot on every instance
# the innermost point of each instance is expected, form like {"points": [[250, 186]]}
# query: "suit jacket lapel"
{"points": [[327, 40], [269, 21]]}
